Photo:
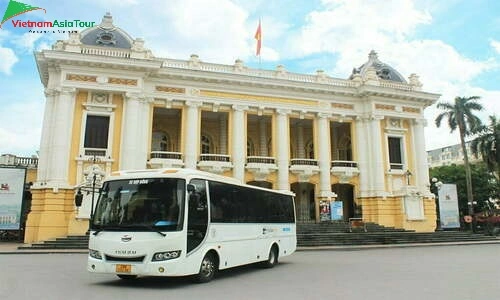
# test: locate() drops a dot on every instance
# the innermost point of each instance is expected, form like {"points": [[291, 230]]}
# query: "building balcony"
{"points": [[164, 159], [215, 163], [304, 168], [344, 169], [261, 166]]}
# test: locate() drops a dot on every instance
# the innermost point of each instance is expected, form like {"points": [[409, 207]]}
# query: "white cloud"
{"points": [[495, 45], [8, 60], [20, 128], [26, 42]]}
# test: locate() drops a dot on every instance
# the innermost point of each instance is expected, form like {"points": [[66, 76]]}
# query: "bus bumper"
{"points": [[163, 268]]}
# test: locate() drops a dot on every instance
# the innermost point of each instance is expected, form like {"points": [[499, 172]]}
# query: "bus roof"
{"points": [[182, 173]]}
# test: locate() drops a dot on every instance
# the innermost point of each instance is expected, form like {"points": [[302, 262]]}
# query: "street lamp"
{"points": [[93, 178], [91, 184], [437, 186], [408, 175]]}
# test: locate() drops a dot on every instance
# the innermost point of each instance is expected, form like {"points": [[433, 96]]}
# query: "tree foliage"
{"points": [[485, 184], [486, 145], [461, 115]]}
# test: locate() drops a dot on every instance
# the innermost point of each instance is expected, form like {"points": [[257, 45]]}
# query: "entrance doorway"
{"points": [[345, 193], [304, 202]]}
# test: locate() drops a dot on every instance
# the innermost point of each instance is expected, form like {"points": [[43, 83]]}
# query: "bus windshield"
{"points": [[149, 204]]}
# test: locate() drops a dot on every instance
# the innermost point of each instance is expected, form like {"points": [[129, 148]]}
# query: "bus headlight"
{"points": [[160, 256], [95, 254]]}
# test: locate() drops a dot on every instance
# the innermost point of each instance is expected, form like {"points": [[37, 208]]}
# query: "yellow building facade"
{"points": [[112, 105]]}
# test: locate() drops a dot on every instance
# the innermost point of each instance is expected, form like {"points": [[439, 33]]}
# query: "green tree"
{"points": [[485, 186], [487, 144], [461, 115]]}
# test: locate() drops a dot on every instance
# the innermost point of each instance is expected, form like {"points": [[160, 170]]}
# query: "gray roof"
{"points": [[106, 34], [384, 71]]}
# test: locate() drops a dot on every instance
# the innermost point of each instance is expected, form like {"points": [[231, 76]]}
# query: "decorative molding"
{"points": [[385, 106], [122, 81], [251, 97], [411, 109], [342, 106], [84, 78], [170, 89]]}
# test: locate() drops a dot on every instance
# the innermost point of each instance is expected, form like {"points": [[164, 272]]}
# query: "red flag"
{"points": [[258, 37]]}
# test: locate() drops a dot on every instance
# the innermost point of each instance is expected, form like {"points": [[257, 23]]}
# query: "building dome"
{"points": [[383, 70], [106, 34]]}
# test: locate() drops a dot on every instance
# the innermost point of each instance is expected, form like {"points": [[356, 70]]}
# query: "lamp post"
{"points": [[92, 182], [408, 175], [436, 186]]}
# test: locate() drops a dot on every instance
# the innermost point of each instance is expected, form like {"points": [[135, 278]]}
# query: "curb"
{"points": [[385, 246]]}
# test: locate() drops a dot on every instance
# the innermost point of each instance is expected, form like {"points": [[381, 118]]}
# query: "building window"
{"points": [[161, 141], [206, 145], [310, 150], [96, 132], [395, 153], [250, 148]]}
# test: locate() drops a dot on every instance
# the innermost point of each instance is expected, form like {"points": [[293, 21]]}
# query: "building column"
{"points": [[421, 167], [47, 128], [131, 118], [378, 170], [362, 156], [57, 171], [144, 127], [282, 148], [239, 142], [192, 134], [324, 159]]}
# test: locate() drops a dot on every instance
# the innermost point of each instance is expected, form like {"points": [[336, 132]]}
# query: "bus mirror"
{"points": [[191, 188]]}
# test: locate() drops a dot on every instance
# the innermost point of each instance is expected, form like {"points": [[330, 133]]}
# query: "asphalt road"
{"points": [[444, 272]]}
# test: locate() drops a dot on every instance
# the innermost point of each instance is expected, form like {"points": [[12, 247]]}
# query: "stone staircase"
{"points": [[318, 234], [71, 242], [339, 234]]}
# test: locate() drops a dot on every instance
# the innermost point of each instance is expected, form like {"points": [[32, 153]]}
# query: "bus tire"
{"points": [[208, 268], [272, 259], [127, 277]]}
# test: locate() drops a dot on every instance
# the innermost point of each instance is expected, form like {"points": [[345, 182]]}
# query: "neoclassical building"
{"points": [[112, 105]]}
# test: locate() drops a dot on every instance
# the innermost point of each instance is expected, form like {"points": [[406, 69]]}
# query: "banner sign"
{"points": [[11, 197], [324, 210], [337, 210], [448, 206]]}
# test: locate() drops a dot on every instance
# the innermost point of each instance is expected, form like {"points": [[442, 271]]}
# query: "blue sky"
{"points": [[454, 46]]}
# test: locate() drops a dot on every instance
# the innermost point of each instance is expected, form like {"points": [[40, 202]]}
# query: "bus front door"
{"points": [[197, 214]]}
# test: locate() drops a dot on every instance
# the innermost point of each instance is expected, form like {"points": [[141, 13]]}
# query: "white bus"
{"points": [[177, 222]]}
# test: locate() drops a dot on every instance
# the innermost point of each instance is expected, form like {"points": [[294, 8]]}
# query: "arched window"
{"points": [[344, 148], [160, 141], [206, 144]]}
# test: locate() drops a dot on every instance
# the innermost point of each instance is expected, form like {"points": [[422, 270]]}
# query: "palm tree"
{"points": [[461, 115], [487, 144]]}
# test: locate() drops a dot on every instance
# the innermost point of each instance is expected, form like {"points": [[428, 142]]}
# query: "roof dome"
{"points": [[106, 34], [384, 71]]}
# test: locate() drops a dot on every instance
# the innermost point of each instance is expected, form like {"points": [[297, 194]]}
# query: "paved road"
{"points": [[446, 272]]}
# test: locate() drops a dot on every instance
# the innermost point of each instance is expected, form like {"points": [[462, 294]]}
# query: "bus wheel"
{"points": [[127, 277], [208, 268], [272, 260]]}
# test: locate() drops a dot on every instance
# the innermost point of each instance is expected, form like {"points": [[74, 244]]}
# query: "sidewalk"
{"points": [[12, 247]]}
